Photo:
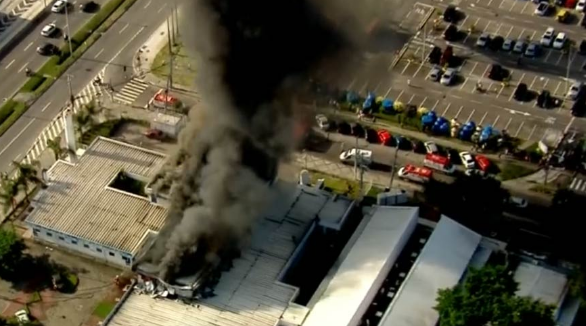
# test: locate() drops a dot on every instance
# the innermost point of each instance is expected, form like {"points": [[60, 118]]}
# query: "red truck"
{"points": [[440, 163], [415, 173]]}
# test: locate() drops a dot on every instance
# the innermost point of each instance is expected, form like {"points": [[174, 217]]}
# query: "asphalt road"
{"points": [[24, 54], [126, 35]]}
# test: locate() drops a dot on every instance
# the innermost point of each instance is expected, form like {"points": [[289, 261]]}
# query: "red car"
{"points": [[483, 162], [154, 134], [384, 137]]}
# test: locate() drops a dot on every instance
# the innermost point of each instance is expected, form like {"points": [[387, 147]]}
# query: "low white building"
{"points": [[84, 210]]}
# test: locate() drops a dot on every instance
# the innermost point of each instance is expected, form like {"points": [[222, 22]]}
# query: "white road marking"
{"points": [[509, 33], [447, 109], [388, 91], [28, 46], [471, 71], [98, 54], [532, 82], [10, 64], [123, 28], [464, 83], [435, 105], [162, 7], [406, 66], [496, 120], [508, 124], [547, 56], [23, 66], [423, 102], [16, 137], [470, 116], [483, 117], [147, 4], [45, 107], [399, 96], [351, 84], [411, 99]]}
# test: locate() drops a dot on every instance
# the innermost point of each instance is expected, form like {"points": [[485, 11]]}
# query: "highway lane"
{"points": [[125, 36], [24, 54]]}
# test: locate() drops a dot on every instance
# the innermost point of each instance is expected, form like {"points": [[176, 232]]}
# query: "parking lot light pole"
{"points": [[68, 29]]}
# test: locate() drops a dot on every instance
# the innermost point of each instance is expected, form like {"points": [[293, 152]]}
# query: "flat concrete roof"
{"points": [[541, 283]]}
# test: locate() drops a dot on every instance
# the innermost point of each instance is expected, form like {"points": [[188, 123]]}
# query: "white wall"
{"points": [[111, 256]]}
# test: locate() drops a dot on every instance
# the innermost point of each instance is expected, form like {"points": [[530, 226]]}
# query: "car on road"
{"points": [[547, 37], [521, 92], [451, 33], [467, 160], [322, 122], [575, 90], [47, 49], [435, 73], [89, 7], [448, 77], [508, 45], [581, 5], [49, 30], [560, 40], [532, 50], [542, 9], [59, 6], [519, 46], [483, 40], [430, 147]]}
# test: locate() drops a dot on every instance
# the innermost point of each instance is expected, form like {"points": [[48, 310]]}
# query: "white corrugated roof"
{"points": [[248, 294], [442, 263], [77, 203], [372, 254], [540, 283]]}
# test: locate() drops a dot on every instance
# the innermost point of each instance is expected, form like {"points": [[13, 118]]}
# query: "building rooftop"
{"points": [[79, 202], [250, 293], [373, 249], [442, 263], [541, 283]]}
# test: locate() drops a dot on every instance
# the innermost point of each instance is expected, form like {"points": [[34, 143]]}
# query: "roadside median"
{"points": [[56, 66]]}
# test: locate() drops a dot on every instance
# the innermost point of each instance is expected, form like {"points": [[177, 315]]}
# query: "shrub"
{"points": [[7, 109], [19, 110]]}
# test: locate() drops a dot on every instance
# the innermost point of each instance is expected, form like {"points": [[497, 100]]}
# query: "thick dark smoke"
{"points": [[252, 56]]}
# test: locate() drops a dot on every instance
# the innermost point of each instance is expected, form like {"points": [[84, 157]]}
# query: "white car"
{"points": [[322, 122], [59, 6], [519, 46], [560, 41], [483, 40], [542, 9], [574, 90], [518, 202], [434, 74], [22, 316], [430, 147], [448, 77], [49, 30], [467, 160], [531, 51], [581, 5], [508, 45], [547, 37], [364, 156]]}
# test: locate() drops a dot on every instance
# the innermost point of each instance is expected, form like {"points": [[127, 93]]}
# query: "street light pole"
{"points": [[68, 29], [394, 167]]}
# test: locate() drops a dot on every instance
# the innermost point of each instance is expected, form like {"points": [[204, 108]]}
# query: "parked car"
{"points": [[542, 9], [47, 49], [154, 134], [496, 43], [562, 16], [418, 147], [451, 14], [435, 55], [448, 77], [447, 56], [322, 122], [519, 46], [22, 317], [574, 90], [582, 47], [560, 40], [581, 5], [49, 30], [385, 137], [371, 135], [547, 37], [518, 202], [497, 72], [521, 92], [467, 160], [430, 147], [357, 130], [544, 99], [89, 7], [344, 128], [532, 50], [451, 33], [435, 73], [508, 45], [59, 6], [483, 40]]}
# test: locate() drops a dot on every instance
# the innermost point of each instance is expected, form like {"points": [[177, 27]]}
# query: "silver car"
{"points": [[532, 50], [448, 77], [435, 73], [49, 30], [519, 46], [508, 45], [483, 40], [575, 90]]}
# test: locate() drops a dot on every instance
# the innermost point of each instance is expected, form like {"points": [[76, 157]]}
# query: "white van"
{"points": [[348, 156]]}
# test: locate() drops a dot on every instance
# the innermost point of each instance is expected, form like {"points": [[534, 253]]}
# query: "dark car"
{"points": [[370, 135], [451, 33], [579, 107], [544, 100], [497, 72], [344, 128], [418, 147], [451, 14], [521, 92], [496, 43], [435, 55], [560, 3], [447, 56], [47, 49], [582, 48], [89, 7], [357, 130]]}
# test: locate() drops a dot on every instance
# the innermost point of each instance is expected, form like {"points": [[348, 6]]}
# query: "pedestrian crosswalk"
{"points": [[131, 91], [88, 93], [578, 185]]}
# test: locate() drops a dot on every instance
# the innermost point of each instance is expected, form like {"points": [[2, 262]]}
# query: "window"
{"points": [[49, 234], [74, 241], [111, 254], [36, 230], [126, 260], [85, 245], [62, 238], [98, 249]]}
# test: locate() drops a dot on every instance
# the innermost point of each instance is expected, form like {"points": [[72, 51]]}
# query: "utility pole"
{"points": [[170, 78], [176, 20], [393, 167], [71, 96], [355, 158], [68, 30]]}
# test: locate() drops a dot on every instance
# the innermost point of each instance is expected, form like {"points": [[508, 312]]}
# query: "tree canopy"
{"points": [[11, 254], [487, 297]]}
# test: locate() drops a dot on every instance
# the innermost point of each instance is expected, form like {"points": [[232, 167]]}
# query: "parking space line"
{"points": [[377, 86], [525, 6], [388, 91], [532, 131], [485, 70], [351, 84], [513, 6], [500, 91], [422, 102], [509, 33], [486, 27], [498, 29], [406, 66], [496, 120], [556, 89], [546, 58], [519, 129], [501, 4], [435, 105], [521, 34], [508, 124], [471, 114], [417, 71], [560, 58], [411, 99], [483, 117], [399, 96], [532, 35], [488, 4], [464, 83], [532, 82], [446, 110], [364, 88], [471, 71]]}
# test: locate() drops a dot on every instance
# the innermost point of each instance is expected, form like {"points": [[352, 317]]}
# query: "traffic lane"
{"points": [[24, 55], [46, 108]]}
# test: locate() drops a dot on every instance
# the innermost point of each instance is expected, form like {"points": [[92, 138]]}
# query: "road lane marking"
{"points": [[471, 71], [98, 54], [124, 28], [45, 107], [28, 46], [411, 99], [23, 66], [162, 7], [147, 4], [17, 136], [10, 64], [532, 82]]}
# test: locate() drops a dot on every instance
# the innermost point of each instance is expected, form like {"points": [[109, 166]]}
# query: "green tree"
{"points": [[55, 146], [487, 297], [9, 190], [11, 254], [86, 117], [26, 174]]}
